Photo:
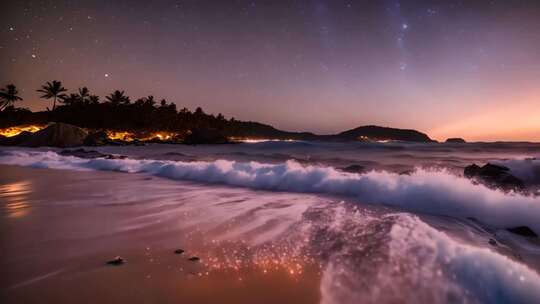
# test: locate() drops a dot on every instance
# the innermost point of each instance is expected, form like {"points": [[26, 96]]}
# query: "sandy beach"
{"points": [[253, 232], [58, 235]]}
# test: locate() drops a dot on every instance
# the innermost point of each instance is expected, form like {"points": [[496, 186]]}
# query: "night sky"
{"points": [[448, 68]]}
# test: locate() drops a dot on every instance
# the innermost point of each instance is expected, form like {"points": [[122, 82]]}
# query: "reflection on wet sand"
{"points": [[14, 197], [194, 243]]}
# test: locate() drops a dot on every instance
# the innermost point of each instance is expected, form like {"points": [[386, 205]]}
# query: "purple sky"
{"points": [[448, 68]]}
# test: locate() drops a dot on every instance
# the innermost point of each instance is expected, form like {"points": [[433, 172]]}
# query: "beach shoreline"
{"points": [[57, 249]]}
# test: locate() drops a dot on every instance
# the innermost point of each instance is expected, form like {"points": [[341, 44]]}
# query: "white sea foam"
{"points": [[526, 169], [486, 276], [427, 191], [416, 254]]}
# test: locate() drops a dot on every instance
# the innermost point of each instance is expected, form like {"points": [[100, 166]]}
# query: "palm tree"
{"points": [[8, 96], [118, 97], [93, 99], [70, 99], [84, 94], [53, 90]]}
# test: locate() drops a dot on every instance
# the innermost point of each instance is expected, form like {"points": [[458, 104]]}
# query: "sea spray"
{"points": [[424, 191]]}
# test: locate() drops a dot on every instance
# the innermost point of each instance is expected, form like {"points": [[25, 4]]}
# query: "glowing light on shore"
{"points": [[132, 136], [120, 135], [365, 138], [520, 120], [256, 140], [14, 131]]}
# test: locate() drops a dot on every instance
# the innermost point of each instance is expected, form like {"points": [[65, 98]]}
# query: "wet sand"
{"points": [[60, 227]]}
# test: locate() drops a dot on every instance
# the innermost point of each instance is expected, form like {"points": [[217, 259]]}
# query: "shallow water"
{"points": [[271, 222]]}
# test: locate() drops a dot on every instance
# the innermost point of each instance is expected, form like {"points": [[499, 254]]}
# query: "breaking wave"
{"points": [[526, 169], [410, 253], [425, 191]]}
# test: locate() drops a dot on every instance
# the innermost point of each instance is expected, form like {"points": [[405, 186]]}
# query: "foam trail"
{"points": [[487, 276], [526, 169], [426, 191], [414, 254]]}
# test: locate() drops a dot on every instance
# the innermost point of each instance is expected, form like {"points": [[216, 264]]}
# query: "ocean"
{"points": [[269, 221]]}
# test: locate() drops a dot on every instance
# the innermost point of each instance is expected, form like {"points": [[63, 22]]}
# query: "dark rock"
{"points": [[179, 251], [16, 140], [112, 156], [57, 135], [82, 153], [455, 140], [205, 136], [494, 176], [492, 242], [99, 138], [523, 231], [194, 259], [493, 170], [137, 142], [407, 172], [353, 169], [471, 171], [156, 140], [117, 261], [89, 154]]}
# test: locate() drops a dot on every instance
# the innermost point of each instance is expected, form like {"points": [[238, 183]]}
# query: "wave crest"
{"points": [[427, 191]]}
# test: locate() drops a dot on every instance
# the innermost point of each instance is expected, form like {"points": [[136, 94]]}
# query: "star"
{"points": [[34, 56], [404, 26], [106, 75], [403, 66], [11, 28]]}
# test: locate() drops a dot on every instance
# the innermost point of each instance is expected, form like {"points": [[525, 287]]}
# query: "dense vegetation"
{"points": [[117, 112], [146, 114]]}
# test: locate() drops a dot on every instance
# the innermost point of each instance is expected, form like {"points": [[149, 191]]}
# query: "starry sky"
{"points": [[448, 68]]}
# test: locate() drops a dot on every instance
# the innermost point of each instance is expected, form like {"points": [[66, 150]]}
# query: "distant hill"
{"points": [[252, 129], [146, 116], [455, 140], [383, 133], [364, 133]]}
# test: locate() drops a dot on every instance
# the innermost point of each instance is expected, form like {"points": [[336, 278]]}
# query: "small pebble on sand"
{"points": [[116, 261]]}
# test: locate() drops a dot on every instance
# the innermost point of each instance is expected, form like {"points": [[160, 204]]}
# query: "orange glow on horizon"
{"points": [[514, 122]]}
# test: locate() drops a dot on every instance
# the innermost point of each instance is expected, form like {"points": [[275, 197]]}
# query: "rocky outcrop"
{"points": [[16, 140], [57, 135], [89, 154], [117, 261], [99, 138], [353, 169], [455, 140], [494, 176], [205, 136]]}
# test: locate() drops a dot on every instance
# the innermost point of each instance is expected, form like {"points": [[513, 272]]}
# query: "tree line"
{"points": [[118, 112]]}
